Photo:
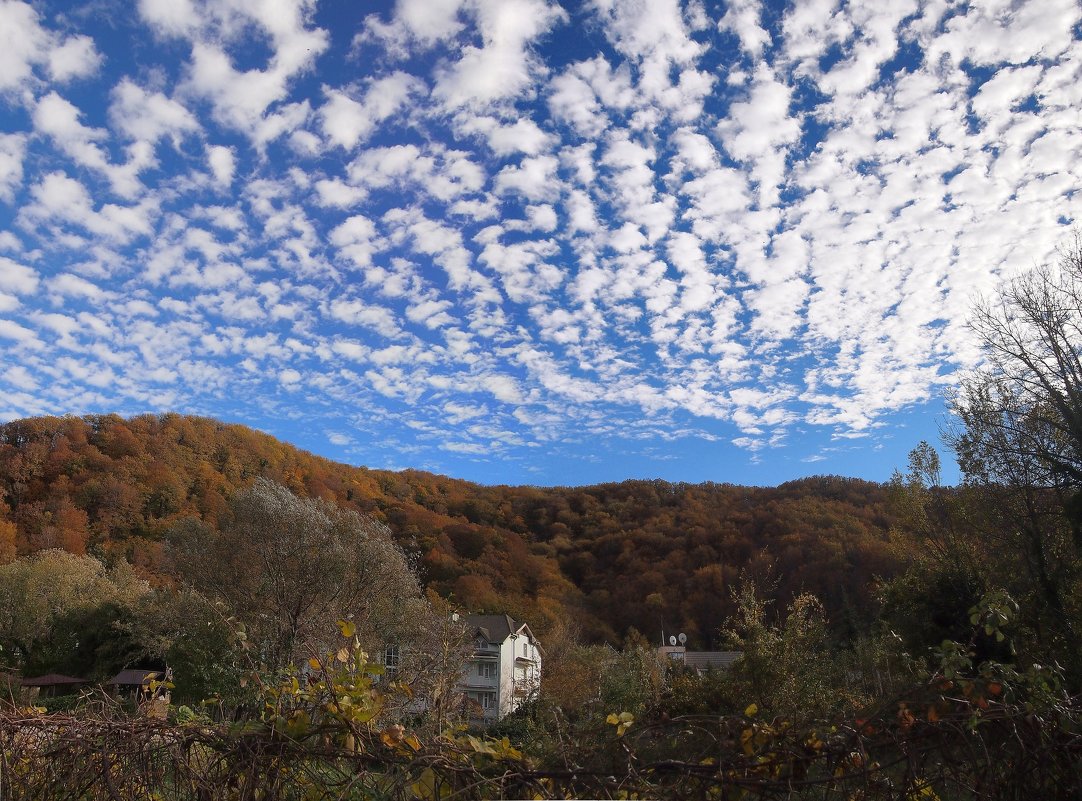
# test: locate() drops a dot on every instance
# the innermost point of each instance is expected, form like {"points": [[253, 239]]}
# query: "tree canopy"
{"points": [[116, 487], [290, 567]]}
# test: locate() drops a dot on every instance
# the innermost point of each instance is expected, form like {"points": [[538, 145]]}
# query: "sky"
{"points": [[524, 241]]}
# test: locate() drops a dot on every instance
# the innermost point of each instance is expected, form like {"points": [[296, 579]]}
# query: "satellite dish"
{"points": [[683, 638], [672, 641]]}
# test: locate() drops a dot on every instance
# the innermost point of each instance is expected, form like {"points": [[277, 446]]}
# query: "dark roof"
{"points": [[136, 677], [701, 660], [497, 628], [52, 680], [494, 628]]}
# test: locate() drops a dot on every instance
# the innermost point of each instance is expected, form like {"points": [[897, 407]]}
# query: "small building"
{"points": [[135, 683], [53, 684], [699, 661], [505, 669]]}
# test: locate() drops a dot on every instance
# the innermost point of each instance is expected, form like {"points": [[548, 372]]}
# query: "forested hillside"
{"points": [[642, 554]]}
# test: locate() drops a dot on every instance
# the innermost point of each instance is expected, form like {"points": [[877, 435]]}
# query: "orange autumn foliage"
{"points": [[8, 549], [116, 486]]}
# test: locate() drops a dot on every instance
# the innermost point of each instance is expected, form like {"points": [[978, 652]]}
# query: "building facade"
{"points": [[505, 668]]}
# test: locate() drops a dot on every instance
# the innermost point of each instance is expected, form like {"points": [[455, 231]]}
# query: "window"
{"points": [[524, 647], [390, 659], [488, 700], [487, 670]]}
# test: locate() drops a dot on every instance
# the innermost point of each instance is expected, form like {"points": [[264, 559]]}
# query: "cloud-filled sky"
{"points": [[528, 241]]}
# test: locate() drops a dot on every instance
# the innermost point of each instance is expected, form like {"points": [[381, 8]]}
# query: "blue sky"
{"points": [[526, 241]]}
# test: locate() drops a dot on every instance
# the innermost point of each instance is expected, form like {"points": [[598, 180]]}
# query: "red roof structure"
{"points": [[53, 680]]}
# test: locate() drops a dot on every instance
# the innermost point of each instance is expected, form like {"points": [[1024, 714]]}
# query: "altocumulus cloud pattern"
{"points": [[506, 235]]}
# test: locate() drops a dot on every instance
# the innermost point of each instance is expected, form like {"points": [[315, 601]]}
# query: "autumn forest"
{"points": [[640, 554]]}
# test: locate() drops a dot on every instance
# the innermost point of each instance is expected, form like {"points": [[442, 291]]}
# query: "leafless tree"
{"points": [[1018, 435], [1026, 403]]}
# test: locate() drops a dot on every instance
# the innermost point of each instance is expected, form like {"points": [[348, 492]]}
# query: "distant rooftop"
{"points": [[700, 660], [52, 680], [138, 678]]}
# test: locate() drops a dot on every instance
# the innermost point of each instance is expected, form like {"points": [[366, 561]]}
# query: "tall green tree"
{"points": [[57, 609]]}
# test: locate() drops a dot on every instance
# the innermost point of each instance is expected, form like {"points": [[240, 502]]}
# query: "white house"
{"points": [[505, 669]]}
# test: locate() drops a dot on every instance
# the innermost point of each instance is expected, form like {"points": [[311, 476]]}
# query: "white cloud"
{"points": [[74, 286], [534, 178], [17, 278], [760, 130], [12, 153], [173, 17], [424, 22], [25, 43], [148, 116], [222, 163], [63, 200], [346, 121], [744, 19], [503, 66], [376, 318], [1009, 33], [18, 376], [59, 119], [19, 334], [522, 136], [76, 57], [249, 101], [655, 35], [356, 240]]}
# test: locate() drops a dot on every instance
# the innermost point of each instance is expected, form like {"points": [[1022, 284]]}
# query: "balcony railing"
{"points": [[480, 682]]}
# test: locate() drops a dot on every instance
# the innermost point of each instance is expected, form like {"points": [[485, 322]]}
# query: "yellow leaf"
{"points": [[347, 628], [342, 655], [425, 786], [747, 741], [314, 664], [751, 711], [392, 735]]}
